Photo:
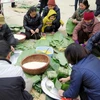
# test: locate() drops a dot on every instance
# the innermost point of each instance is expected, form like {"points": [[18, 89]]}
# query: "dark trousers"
{"points": [[76, 2], [97, 10], [56, 25], [96, 50], [82, 36], [34, 36], [49, 29], [42, 5]]}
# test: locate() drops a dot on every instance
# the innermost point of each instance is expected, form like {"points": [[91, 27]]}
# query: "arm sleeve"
{"points": [[58, 17], [74, 15], [76, 29], [40, 26], [76, 80], [10, 37], [96, 28], [92, 40], [25, 24]]}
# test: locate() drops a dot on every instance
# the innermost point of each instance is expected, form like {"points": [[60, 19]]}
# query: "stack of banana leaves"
{"points": [[16, 28], [58, 63]]}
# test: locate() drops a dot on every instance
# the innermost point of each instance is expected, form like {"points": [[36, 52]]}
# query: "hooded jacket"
{"points": [[86, 74], [32, 23], [82, 26], [57, 10], [47, 20]]}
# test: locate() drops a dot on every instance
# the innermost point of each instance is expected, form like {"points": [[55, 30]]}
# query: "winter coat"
{"points": [[79, 15], [57, 10], [12, 82], [7, 35], [86, 74], [47, 20], [32, 23], [82, 26], [95, 39]]}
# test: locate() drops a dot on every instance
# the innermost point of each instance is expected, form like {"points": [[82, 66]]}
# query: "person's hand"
{"points": [[60, 92], [37, 30], [63, 80], [12, 49], [74, 21], [52, 32], [33, 32]]}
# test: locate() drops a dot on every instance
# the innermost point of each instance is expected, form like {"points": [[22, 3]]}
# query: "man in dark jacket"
{"points": [[12, 78], [93, 44], [5, 32], [97, 8], [52, 5]]}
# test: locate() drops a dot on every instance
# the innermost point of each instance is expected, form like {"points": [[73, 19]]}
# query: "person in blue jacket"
{"points": [[93, 44], [85, 75], [52, 5]]}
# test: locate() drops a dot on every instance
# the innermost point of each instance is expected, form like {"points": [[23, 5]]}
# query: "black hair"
{"points": [[31, 9], [74, 53], [4, 49], [55, 15], [85, 2]]}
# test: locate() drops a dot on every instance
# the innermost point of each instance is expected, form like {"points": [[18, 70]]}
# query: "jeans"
{"points": [[97, 10], [76, 2]]}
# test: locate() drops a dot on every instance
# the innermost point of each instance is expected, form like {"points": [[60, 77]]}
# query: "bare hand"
{"points": [[32, 31], [74, 21], [37, 30], [12, 49], [61, 93], [63, 80]]}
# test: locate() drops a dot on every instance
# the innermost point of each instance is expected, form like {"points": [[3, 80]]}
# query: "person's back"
{"points": [[12, 78], [89, 69], [12, 88]]}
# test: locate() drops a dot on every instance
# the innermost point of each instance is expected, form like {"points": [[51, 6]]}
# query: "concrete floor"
{"points": [[66, 8]]}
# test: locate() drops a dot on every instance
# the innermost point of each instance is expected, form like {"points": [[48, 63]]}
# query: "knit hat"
{"points": [[2, 20], [51, 2], [88, 15]]}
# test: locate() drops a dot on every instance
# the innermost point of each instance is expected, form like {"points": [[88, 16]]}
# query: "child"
{"points": [[52, 5], [32, 24], [47, 22]]}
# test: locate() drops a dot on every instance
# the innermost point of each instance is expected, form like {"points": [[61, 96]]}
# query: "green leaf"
{"points": [[58, 84], [55, 66], [61, 58]]}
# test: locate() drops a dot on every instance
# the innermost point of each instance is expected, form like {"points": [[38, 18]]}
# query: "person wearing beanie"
{"points": [[52, 5], [77, 16], [86, 28], [6, 34]]}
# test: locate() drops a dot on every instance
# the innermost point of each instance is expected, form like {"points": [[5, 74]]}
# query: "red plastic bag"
{"points": [[66, 99]]}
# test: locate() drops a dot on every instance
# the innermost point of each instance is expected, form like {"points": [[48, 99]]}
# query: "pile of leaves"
{"points": [[57, 41], [26, 45]]}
